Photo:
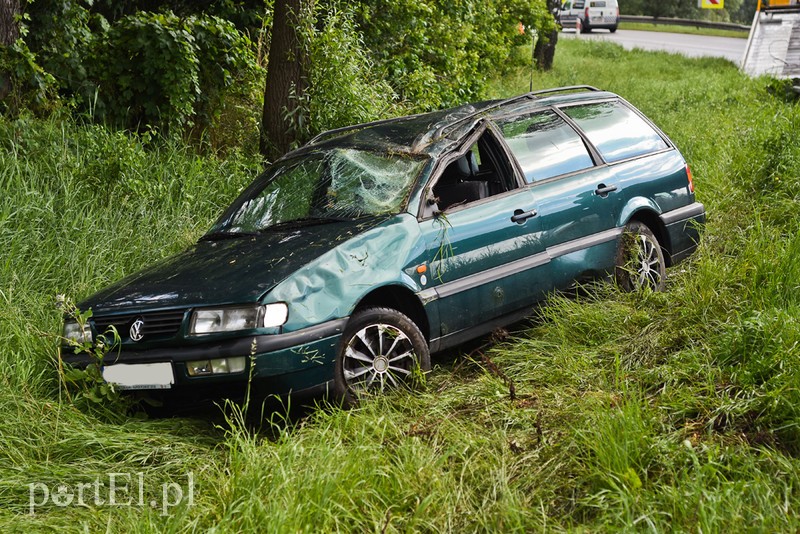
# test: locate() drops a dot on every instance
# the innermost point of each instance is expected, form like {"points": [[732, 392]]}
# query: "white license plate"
{"points": [[140, 375]]}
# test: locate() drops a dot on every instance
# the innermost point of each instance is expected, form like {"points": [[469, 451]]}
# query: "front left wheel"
{"points": [[381, 349]]}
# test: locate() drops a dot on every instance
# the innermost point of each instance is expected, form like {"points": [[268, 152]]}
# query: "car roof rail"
{"points": [[564, 90], [445, 129]]}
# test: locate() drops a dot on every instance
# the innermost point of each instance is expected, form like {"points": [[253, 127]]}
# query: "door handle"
{"points": [[603, 190], [520, 216]]}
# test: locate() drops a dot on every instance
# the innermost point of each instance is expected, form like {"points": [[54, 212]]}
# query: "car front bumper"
{"points": [[276, 364]]}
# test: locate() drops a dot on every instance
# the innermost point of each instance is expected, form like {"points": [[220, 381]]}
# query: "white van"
{"points": [[588, 15]]}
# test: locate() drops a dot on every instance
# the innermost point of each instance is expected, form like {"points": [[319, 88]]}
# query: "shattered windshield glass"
{"points": [[323, 186]]}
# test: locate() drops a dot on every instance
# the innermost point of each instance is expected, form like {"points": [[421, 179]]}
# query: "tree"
{"points": [[9, 21], [440, 53], [545, 50], [9, 33], [287, 70]]}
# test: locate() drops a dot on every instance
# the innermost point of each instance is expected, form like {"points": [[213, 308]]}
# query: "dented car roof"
{"points": [[431, 134]]}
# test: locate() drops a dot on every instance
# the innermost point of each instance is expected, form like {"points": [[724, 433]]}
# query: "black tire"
{"points": [[640, 260], [364, 363], [585, 28], [613, 29]]}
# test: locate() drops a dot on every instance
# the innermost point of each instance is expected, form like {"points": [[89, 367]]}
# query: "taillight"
{"points": [[617, 11], [691, 180], [586, 13]]}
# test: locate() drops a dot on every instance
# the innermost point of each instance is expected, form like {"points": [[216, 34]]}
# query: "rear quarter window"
{"points": [[616, 131]]}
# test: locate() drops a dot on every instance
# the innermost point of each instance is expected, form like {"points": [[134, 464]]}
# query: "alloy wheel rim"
{"points": [[378, 357], [648, 268]]}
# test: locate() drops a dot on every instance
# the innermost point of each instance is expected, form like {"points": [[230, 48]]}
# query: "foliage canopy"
{"points": [[175, 65], [440, 53]]}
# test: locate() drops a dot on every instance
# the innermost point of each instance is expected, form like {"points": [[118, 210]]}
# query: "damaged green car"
{"points": [[352, 259]]}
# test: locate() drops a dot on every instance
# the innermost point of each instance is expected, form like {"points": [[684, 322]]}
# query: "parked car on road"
{"points": [[588, 15], [352, 259]]}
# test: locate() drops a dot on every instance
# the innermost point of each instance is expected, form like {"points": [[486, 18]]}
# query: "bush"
{"points": [[144, 69], [344, 86], [148, 71], [156, 69], [439, 54], [23, 82]]}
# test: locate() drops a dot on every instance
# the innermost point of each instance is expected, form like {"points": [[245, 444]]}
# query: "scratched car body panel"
{"points": [[354, 257]]}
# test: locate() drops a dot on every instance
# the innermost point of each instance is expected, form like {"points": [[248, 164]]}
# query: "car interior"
{"points": [[473, 176]]}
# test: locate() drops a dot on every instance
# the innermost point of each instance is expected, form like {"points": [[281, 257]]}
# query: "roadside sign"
{"points": [[712, 4]]}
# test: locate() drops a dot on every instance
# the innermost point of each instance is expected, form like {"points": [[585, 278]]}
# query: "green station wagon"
{"points": [[353, 258]]}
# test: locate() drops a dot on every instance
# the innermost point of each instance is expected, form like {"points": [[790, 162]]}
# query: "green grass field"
{"points": [[689, 30], [675, 411]]}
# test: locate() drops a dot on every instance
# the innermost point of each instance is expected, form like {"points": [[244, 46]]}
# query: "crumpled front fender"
{"points": [[331, 286]]}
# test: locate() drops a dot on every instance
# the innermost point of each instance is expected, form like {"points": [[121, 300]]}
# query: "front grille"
{"points": [[157, 325]]}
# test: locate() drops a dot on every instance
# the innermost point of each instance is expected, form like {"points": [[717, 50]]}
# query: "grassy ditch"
{"points": [[670, 411]]}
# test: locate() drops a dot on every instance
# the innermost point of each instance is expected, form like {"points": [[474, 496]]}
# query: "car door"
{"points": [[631, 170], [574, 195], [484, 252]]}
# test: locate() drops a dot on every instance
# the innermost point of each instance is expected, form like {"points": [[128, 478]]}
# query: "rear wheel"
{"points": [[585, 28], [640, 260], [381, 349], [612, 29]]}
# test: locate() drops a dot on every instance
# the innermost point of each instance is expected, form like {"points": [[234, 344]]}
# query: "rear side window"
{"points": [[597, 4], [545, 145], [616, 130], [578, 5]]}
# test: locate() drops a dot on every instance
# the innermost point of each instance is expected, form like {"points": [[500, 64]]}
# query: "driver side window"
{"points": [[478, 173]]}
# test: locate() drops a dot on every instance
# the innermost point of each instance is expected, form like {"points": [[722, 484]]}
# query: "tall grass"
{"points": [[656, 412]]}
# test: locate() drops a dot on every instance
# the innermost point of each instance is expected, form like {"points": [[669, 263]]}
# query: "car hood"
{"points": [[227, 271]]}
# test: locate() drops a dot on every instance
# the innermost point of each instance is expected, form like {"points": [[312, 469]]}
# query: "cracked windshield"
{"points": [[323, 186]]}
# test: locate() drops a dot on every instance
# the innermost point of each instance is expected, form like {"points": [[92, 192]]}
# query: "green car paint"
{"points": [[359, 217]]}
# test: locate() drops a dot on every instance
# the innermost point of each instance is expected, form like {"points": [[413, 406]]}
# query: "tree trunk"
{"points": [[545, 50], [286, 79], [9, 33], [9, 21]]}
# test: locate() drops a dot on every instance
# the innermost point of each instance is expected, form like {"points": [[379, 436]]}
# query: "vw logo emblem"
{"points": [[136, 329]]}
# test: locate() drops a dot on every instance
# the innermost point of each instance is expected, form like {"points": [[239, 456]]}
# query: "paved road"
{"points": [[691, 45]]}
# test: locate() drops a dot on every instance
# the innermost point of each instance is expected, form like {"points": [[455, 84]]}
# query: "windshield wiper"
{"points": [[218, 236], [304, 221]]}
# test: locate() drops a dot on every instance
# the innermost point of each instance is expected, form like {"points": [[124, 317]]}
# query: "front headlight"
{"points": [[238, 318], [76, 333]]}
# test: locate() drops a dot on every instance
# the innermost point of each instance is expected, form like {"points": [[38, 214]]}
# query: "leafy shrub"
{"points": [[438, 53], [226, 59], [148, 71], [63, 34], [344, 86], [144, 69], [23, 82]]}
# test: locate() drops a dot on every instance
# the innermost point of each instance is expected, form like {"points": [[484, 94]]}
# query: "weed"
{"points": [[445, 250], [85, 386]]}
